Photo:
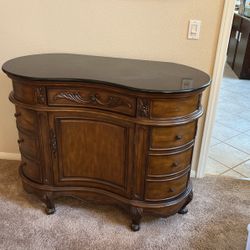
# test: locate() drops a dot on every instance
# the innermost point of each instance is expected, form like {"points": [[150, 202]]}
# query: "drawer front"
{"points": [[90, 97], [161, 190], [26, 119], [172, 137], [169, 108], [163, 165], [28, 145], [31, 169]]}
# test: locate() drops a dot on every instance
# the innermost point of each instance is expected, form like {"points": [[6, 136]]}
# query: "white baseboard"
{"points": [[193, 173], [10, 156]]}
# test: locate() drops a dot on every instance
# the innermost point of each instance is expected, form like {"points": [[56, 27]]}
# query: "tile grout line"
{"points": [[233, 171], [228, 166], [237, 148], [229, 137], [219, 162]]}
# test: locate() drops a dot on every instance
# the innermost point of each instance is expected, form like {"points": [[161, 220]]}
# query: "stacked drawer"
{"points": [[28, 143], [170, 147]]}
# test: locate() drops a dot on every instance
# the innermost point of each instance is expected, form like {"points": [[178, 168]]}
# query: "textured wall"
{"points": [[144, 29]]}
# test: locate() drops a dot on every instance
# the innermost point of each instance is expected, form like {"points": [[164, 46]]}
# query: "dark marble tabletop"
{"points": [[142, 75]]}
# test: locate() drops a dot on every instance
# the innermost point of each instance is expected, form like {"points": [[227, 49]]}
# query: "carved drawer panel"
{"points": [[26, 119], [90, 97], [167, 108], [31, 169], [172, 137], [28, 145], [163, 165], [165, 189], [29, 94]]}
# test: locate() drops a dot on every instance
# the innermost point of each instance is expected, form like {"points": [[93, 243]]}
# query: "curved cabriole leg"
{"points": [[50, 206], [136, 214], [184, 208]]}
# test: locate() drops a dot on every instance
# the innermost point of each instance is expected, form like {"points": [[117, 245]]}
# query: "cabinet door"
{"points": [[233, 40], [241, 54], [92, 150]]}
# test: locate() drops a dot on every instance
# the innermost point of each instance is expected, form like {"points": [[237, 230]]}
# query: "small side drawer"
{"points": [[90, 97], [26, 119], [162, 189], [163, 165], [29, 94], [170, 108], [31, 169], [28, 145], [173, 136]]}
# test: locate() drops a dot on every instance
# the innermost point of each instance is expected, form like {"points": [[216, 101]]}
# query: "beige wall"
{"points": [[146, 29]]}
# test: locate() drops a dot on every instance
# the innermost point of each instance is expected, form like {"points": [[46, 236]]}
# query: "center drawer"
{"points": [[91, 97], [173, 136]]}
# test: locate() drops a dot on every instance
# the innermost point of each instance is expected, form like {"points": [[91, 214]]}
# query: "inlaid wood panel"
{"points": [[163, 165], [93, 151], [166, 108], [165, 189], [91, 97], [173, 136]]}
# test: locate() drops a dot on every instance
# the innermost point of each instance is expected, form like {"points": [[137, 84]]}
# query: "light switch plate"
{"points": [[194, 29]]}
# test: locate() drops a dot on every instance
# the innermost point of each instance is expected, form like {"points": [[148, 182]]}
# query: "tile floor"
{"points": [[229, 153]]}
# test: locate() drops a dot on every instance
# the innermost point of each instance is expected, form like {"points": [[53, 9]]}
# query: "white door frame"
{"points": [[218, 70]]}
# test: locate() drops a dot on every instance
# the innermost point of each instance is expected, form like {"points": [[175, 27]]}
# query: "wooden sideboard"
{"points": [[108, 130], [238, 55]]}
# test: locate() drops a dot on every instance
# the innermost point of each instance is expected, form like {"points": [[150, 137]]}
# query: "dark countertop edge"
{"points": [[119, 85], [241, 15]]}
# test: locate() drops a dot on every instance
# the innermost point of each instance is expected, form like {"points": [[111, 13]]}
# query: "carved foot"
{"points": [[183, 210], [50, 210], [135, 227], [136, 214], [50, 206]]}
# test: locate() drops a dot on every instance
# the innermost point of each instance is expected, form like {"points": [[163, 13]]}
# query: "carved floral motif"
{"points": [[143, 107], [40, 94], [53, 142], [93, 99]]}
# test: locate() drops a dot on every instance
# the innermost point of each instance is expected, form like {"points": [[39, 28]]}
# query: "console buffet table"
{"points": [[107, 130]]}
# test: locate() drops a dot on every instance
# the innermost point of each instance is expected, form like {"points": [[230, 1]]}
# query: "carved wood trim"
{"points": [[143, 107], [40, 95], [53, 142], [93, 99]]}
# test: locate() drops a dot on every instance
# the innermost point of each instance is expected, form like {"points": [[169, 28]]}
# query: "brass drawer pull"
{"points": [[172, 190], [17, 114], [178, 137], [175, 164], [20, 141]]}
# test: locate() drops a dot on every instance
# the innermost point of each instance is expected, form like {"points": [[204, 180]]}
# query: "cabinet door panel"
{"points": [[242, 48], [94, 152], [233, 40]]}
